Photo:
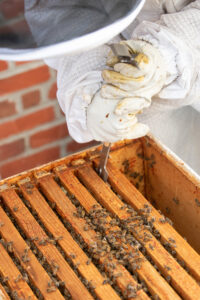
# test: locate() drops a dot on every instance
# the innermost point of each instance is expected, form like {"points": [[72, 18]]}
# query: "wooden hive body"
{"points": [[65, 234]]}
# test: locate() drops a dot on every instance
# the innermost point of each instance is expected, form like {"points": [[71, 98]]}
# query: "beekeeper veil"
{"points": [[57, 27]]}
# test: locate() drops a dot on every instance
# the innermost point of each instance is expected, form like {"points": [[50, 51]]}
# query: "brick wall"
{"points": [[32, 127]]}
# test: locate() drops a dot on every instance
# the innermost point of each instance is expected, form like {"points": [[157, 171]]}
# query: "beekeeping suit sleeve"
{"points": [[176, 35], [174, 114]]}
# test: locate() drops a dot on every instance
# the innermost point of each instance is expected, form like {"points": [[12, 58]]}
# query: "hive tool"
{"points": [[125, 55]]}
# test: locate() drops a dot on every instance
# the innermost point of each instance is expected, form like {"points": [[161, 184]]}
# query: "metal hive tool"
{"points": [[124, 55]]}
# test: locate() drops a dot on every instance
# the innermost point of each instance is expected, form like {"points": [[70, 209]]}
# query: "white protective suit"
{"points": [[173, 27]]}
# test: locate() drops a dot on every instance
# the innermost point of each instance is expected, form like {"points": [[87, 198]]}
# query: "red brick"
{"points": [[31, 99], [53, 91], [74, 146], [7, 108], [48, 136], [11, 9], [29, 162], [11, 149], [24, 80], [27, 122], [18, 63], [3, 65]]}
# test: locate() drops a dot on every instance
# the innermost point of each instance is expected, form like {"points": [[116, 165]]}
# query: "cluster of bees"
{"points": [[115, 244]]}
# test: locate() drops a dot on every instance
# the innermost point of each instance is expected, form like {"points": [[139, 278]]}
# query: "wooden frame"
{"points": [[65, 233]]}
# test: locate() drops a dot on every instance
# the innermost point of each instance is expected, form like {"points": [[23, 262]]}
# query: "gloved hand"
{"points": [[135, 86], [105, 125], [111, 116]]}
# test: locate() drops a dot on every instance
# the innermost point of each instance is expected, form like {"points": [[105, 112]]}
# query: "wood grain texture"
{"points": [[173, 191], [156, 284], [131, 195], [4, 295], [67, 243], [66, 209], [53, 257], [157, 176], [36, 272], [180, 279], [126, 160], [9, 270]]}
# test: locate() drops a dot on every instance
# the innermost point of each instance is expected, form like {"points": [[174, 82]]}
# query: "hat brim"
{"points": [[76, 45]]}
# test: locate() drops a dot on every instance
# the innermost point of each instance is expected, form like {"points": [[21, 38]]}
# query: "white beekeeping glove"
{"points": [[120, 101], [105, 125], [79, 79], [135, 86], [111, 116]]}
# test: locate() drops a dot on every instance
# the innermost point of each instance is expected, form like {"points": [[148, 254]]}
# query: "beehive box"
{"points": [[65, 234]]}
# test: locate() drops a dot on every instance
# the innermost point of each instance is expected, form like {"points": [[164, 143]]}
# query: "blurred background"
{"points": [[33, 130]]}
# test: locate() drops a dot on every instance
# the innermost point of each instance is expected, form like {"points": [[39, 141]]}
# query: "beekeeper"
{"points": [[108, 100]]}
